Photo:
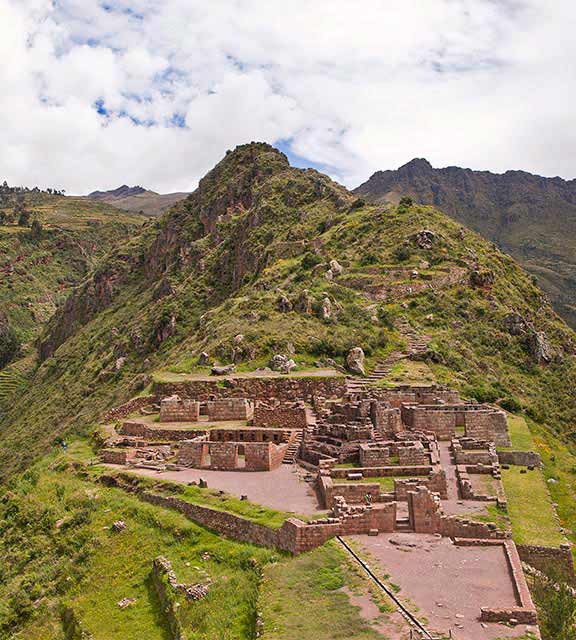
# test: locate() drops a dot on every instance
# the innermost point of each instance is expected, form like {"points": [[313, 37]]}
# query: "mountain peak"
{"points": [[120, 192], [416, 165]]}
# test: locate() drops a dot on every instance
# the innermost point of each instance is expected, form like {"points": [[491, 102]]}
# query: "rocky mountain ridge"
{"points": [[138, 200], [531, 217]]}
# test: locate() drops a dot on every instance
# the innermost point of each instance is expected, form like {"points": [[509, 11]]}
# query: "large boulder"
{"points": [[281, 363], [223, 370], [305, 302], [355, 361], [515, 324], [482, 278], [325, 308], [284, 305], [540, 349]]}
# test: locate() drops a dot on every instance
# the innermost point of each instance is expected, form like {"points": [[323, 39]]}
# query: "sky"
{"points": [[98, 93]]}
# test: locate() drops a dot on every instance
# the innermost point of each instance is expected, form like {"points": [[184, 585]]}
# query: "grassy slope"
{"points": [[59, 551], [77, 233]]}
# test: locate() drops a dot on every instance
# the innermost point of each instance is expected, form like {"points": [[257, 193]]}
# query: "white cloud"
{"points": [[356, 87]]}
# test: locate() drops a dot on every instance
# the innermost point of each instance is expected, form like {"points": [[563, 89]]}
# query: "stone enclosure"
{"points": [[402, 459]]}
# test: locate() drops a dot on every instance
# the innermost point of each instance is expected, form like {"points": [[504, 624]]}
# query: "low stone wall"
{"points": [[161, 569], [426, 516], [287, 415], [384, 472], [374, 454], [550, 559], [435, 482], [149, 432], [520, 458], [354, 493], [432, 394], [294, 536], [525, 611], [264, 389], [124, 410], [116, 456]]}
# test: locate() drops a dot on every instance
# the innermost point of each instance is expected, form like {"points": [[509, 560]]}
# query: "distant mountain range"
{"points": [[138, 200], [531, 217]]}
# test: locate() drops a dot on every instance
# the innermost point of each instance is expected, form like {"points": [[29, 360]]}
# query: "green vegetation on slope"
{"points": [[306, 600], [534, 520], [38, 271], [61, 556]]}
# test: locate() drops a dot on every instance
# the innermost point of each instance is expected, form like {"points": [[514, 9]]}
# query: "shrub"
{"points": [[310, 260], [402, 253], [511, 404], [9, 345]]}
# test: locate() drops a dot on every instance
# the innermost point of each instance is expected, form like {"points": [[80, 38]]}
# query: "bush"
{"points": [[402, 253], [556, 608], [310, 260], [405, 202], [9, 345], [511, 404], [367, 259]]}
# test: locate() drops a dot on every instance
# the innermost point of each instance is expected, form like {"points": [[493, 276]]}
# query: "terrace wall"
{"points": [[289, 416], [264, 389]]}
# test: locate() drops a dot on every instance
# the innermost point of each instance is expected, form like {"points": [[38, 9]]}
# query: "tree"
{"points": [[9, 344], [556, 608], [406, 202], [36, 229], [24, 219]]}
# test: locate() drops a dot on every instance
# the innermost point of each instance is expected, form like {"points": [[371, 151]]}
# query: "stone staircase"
{"points": [[293, 448], [416, 345]]}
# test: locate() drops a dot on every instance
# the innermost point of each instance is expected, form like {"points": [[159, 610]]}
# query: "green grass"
{"points": [[58, 549], [386, 484], [530, 508], [520, 434], [305, 601]]}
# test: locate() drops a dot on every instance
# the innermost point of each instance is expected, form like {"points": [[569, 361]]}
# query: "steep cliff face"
{"points": [[532, 218]]}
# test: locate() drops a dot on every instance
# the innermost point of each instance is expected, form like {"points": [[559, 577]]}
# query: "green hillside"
{"points": [[38, 269], [261, 259]]}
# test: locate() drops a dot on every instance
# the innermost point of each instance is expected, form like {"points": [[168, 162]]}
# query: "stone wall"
{"points": [[161, 569], [116, 456], [520, 458], [286, 415], [386, 419], [124, 410], [425, 516], [435, 482], [549, 560], [373, 455], [231, 456], [353, 493], [479, 421], [151, 432], [285, 388], [294, 536], [175, 409], [432, 394], [222, 409]]}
